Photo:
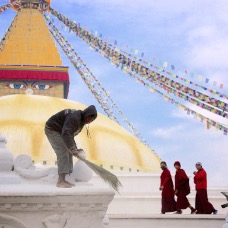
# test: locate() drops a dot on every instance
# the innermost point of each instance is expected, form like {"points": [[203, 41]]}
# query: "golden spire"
{"points": [[29, 59], [29, 41]]}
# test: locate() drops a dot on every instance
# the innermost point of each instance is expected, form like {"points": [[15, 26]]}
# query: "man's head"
{"points": [[89, 114], [199, 165], [177, 165], [89, 119], [163, 165]]}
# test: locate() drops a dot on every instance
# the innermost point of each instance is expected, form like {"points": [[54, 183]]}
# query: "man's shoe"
{"points": [[178, 212], [215, 212], [193, 211]]}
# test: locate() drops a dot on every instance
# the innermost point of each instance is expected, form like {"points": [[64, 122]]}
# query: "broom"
{"points": [[104, 174]]}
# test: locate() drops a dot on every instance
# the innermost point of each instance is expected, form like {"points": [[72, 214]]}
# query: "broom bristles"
{"points": [[104, 174]]}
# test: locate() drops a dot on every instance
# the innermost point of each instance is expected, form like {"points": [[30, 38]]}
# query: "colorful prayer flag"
{"points": [[207, 80], [200, 77], [165, 64], [172, 67]]}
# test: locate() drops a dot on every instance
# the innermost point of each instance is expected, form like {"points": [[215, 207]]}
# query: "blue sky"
{"points": [[191, 34]]}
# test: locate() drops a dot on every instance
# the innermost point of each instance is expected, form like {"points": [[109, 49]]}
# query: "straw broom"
{"points": [[104, 174]]}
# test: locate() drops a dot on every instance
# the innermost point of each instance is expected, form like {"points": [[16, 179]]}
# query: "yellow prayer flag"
{"points": [[165, 64], [200, 77]]}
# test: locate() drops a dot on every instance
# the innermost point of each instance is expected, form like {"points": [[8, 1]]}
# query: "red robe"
{"points": [[203, 206], [182, 185], [168, 201]]}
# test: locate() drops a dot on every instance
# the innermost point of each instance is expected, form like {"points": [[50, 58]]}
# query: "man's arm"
{"points": [[70, 125], [200, 175], [182, 179]]}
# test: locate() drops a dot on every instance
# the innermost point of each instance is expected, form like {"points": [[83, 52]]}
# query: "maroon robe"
{"points": [[203, 206], [182, 185], [168, 201]]}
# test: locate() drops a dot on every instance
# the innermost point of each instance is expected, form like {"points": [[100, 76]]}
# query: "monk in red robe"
{"points": [[182, 189], [203, 206], [166, 186]]}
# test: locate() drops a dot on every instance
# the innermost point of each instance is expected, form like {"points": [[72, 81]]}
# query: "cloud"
{"points": [[190, 143], [178, 113], [167, 132]]}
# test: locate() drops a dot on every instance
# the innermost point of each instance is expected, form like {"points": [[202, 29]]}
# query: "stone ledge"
{"points": [[166, 216], [82, 206], [166, 221]]}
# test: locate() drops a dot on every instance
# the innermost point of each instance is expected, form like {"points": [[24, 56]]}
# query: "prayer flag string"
{"points": [[89, 37], [69, 50], [213, 105], [91, 81]]}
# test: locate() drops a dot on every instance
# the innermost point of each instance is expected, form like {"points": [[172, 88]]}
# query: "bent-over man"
{"points": [[60, 130]]}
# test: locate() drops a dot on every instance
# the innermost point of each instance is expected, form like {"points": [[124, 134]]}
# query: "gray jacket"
{"points": [[69, 123]]}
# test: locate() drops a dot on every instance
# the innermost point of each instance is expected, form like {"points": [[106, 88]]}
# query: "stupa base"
{"points": [[164, 221], [44, 205]]}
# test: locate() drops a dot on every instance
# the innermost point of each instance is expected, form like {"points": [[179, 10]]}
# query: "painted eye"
{"points": [[42, 86], [16, 86]]}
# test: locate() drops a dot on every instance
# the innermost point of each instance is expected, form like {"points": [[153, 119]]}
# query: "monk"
{"points": [[60, 130], [166, 186], [203, 206], [182, 189]]}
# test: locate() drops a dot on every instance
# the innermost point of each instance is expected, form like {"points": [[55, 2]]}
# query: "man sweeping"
{"points": [[60, 130]]}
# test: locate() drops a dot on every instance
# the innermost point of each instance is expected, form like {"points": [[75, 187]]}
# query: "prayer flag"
{"points": [[221, 86], [165, 64], [200, 77], [207, 80], [172, 67], [208, 125]]}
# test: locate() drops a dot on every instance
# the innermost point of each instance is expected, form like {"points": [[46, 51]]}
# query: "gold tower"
{"points": [[29, 59], [30, 64]]}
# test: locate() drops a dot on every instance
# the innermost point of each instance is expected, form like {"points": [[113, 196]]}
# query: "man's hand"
{"points": [[176, 191], [194, 172], [74, 151], [161, 188]]}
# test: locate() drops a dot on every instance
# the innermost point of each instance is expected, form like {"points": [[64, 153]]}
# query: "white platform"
{"points": [[139, 204], [167, 221], [83, 206], [140, 195]]}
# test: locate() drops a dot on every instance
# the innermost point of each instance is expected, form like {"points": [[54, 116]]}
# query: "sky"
{"points": [[190, 34]]}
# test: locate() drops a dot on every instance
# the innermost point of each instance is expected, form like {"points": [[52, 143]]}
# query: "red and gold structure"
{"points": [[29, 59]]}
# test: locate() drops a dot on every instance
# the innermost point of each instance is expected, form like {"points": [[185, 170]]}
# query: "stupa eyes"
{"points": [[16, 86], [28, 85], [42, 86]]}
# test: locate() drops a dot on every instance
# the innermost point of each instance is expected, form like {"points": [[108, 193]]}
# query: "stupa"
{"points": [[34, 85], [30, 64]]}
